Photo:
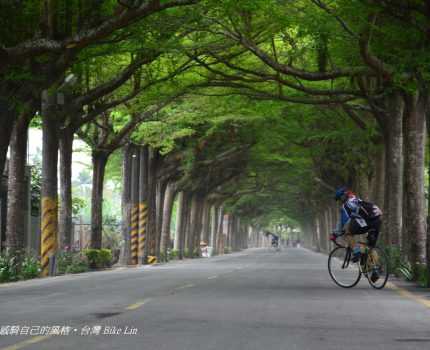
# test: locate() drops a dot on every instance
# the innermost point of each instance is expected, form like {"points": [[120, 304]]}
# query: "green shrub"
{"points": [[93, 257], [196, 253], [394, 259], [78, 263], [64, 260], [72, 262], [8, 268], [173, 254], [422, 275], [18, 267], [227, 250], [29, 267], [99, 258], [105, 258], [405, 270]]}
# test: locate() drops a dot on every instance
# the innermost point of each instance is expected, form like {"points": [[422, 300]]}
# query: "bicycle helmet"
{"points": [[340, 192]]}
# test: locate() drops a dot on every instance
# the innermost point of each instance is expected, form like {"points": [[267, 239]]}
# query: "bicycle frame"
{"points": [[346, 246], [347, 260], [365, 264]]}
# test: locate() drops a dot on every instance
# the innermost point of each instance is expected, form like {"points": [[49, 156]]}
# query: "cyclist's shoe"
{"points": [[375, 275], [356, 254]]}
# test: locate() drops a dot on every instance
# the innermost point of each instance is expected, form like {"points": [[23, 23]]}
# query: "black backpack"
{"points": [[369, 211]]}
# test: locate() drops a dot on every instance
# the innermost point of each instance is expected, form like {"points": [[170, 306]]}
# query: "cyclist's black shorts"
{"points": [[373, 232], [372, 229]]}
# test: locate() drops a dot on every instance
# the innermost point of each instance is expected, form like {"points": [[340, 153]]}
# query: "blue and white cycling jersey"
{"points": [[349, 209]]}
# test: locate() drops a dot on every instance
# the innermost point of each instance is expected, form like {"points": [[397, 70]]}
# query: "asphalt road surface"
{"points": [[255, 299]]}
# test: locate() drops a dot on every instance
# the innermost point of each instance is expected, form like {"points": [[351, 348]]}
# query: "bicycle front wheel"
{"points": [[342, 270], [377, 267]]}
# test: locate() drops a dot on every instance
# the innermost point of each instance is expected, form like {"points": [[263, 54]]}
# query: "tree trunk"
{"points": [[143, 201], [99, 160], [160, 196], [235, 237], [239, 233], [193, 225], [378, 179], [318, 234], [415, 138], [134, 228], [152, 210], [322, 225], [7, 120], [228, 233], [65, 215], [428, 199], [198, 224], [17, 186], [246, 237], [183, 218], [178, 222], [361, 184], [214, 228], [126, 205], [180, 233], [187, 221], [220, 234], [49, 207], [235, 234], [404, 238], [393, 139], [206, 222], [167, 218], [257, 237], [333, 222]]}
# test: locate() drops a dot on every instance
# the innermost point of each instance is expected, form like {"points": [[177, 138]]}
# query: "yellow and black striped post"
{"points": [[49, 232], [134, 232], [152, 259], [143, 216]]}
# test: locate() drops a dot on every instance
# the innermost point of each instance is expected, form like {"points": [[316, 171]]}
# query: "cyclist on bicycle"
{"points": [[275, 241], [357, 217]]}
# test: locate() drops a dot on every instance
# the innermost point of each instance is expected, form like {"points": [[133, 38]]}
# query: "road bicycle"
{"points": [[346, 273], [276, 248]]}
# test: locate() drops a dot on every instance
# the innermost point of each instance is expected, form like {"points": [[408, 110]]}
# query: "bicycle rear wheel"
{"points": [[377, 266], [342, 270]]}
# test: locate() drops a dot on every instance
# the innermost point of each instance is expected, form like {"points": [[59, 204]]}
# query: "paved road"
{"points": [[254, 299]]}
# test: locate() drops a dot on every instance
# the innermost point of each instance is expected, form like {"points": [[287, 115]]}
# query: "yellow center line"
{"points": [[136, 305], [409, 295], [23, 344], [185, 286]]}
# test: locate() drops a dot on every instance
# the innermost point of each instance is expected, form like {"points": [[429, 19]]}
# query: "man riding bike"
{"points": [[275, 241], [357, 217]]}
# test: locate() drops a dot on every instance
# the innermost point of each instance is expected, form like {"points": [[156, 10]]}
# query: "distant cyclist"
{"points": [[275, 241], [357, 217]]}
